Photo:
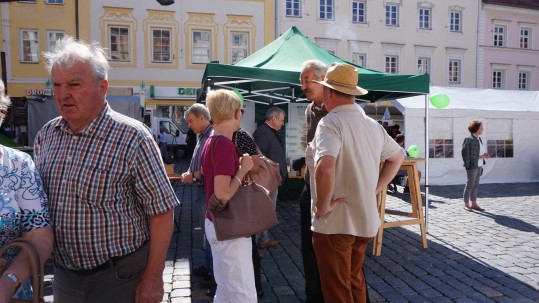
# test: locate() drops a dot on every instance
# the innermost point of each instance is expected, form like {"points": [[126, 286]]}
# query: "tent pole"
{"points": [[426, 163]]}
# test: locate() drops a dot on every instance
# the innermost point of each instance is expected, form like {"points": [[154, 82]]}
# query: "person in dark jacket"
{"points": [[267, 138], [474, 154]]}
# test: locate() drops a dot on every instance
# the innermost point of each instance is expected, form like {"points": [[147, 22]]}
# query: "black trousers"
{"points": [[256, 264], [313, 287]]}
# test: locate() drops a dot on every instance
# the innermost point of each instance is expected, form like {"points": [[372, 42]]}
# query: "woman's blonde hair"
{"points": [[222, 105]]}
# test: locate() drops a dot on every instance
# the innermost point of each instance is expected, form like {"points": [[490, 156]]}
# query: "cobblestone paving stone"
{"points": [[489, 256]]}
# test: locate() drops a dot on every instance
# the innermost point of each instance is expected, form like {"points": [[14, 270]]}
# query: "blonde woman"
{"points": [[223, 172]]}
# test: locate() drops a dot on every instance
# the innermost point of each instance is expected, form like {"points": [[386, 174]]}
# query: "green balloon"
{"points": [[413, 151], [439, 100], [235, 90]]}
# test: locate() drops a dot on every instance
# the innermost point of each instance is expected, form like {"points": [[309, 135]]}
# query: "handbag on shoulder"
{"points": [[248, 212], [266, 172], [36, 269]]}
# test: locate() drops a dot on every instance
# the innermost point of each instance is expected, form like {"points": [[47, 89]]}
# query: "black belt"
{"points": [[107, 265]]}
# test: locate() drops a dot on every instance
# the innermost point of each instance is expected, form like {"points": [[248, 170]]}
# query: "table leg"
{"points": [[377, 243]]}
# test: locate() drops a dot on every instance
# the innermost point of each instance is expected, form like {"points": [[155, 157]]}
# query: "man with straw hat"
{"points": [[349, 147]]}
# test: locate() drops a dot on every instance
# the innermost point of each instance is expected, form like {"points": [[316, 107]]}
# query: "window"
{"points": [[119, 44], [161, 51], [239, 45], [499, 134], [423, 66], [441, 148], [392, 64], [498, 79], [201, 47], [392, 15], [29, 46], [293, 8], [424, 18], [455, 21], [326, 9], [52, 37], [359, 11], [55, 1], [441, 134], [525, 37], [454, 71], [523, 80], [359, 59], [499, 35], [500, 148]]}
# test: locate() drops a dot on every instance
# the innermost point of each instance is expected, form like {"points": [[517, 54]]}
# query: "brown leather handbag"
{"points": [[266, 172], [248, 212], [36, 269]]}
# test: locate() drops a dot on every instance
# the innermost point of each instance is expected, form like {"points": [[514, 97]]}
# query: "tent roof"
{"points": [[477, 99], [271, 75]]}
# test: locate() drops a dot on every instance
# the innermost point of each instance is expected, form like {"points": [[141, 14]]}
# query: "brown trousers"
{"points": [[340, 260]]}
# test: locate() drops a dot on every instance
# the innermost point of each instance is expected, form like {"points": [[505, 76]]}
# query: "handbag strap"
{"points": [[35, 264]]}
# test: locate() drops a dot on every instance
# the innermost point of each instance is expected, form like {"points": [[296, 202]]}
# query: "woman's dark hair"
{"points": [[474, 126]]}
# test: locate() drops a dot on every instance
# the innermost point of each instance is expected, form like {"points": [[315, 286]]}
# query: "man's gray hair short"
{"points": [[69, 51], [5, 101], [273, 112], [319, 68], [198, 110]]}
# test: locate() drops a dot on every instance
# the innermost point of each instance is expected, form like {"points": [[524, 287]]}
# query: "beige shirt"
{"points": [[359, 145]]}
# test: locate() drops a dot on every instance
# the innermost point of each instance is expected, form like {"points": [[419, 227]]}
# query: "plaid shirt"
{"points": [[102, 183]]}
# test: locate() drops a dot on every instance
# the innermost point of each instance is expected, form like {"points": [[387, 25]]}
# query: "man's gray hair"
{"points": [[198, 110], [273, 112], [69, 51], [5, 101], [319, 68]]}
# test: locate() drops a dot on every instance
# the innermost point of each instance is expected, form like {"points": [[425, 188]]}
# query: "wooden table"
{"points": [[415, 217]]}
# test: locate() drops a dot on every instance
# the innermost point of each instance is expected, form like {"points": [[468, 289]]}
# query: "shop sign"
{"points": [[39, 92], [187, 91]]}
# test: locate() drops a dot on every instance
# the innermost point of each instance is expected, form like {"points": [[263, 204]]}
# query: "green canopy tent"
{"points": [[271, 75]]}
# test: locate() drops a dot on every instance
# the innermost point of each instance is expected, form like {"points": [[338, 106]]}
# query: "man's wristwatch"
{"points": [[13, 278], [193, 177]]}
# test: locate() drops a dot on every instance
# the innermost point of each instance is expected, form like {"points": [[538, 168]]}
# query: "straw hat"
{"points": [[343, 78]]}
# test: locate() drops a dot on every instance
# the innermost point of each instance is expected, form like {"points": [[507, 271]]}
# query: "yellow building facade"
{"points": [[157, 52]]}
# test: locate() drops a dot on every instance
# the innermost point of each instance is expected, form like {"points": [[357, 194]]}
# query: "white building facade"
{"points": [[508, 46], [394, 36]]}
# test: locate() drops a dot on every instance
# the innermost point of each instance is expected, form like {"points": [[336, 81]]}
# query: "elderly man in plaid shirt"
{"points": [[111, 203]]}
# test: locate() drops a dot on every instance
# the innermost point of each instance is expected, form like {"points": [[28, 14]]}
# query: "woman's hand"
{"points": [[246, 162], [7, 290], [484, 156]]}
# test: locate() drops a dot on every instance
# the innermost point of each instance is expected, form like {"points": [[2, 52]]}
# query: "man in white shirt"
{"points": [[349, 147]]}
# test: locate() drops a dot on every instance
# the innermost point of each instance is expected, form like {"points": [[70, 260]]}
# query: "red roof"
{"points": [[531, 4]]}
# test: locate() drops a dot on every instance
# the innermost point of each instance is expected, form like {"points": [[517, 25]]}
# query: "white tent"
{"points": [[511, 122]]}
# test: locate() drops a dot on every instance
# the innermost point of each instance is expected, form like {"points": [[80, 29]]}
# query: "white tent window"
{"points": [[441, 138], [499, 134]]}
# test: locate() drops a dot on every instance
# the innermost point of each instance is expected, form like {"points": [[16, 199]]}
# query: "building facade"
{"points": [[157, 52], [508, 46], [394, 36], [163, 50]]}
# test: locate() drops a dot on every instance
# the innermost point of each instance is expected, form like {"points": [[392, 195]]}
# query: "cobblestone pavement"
{"points": [[489, 256]]}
